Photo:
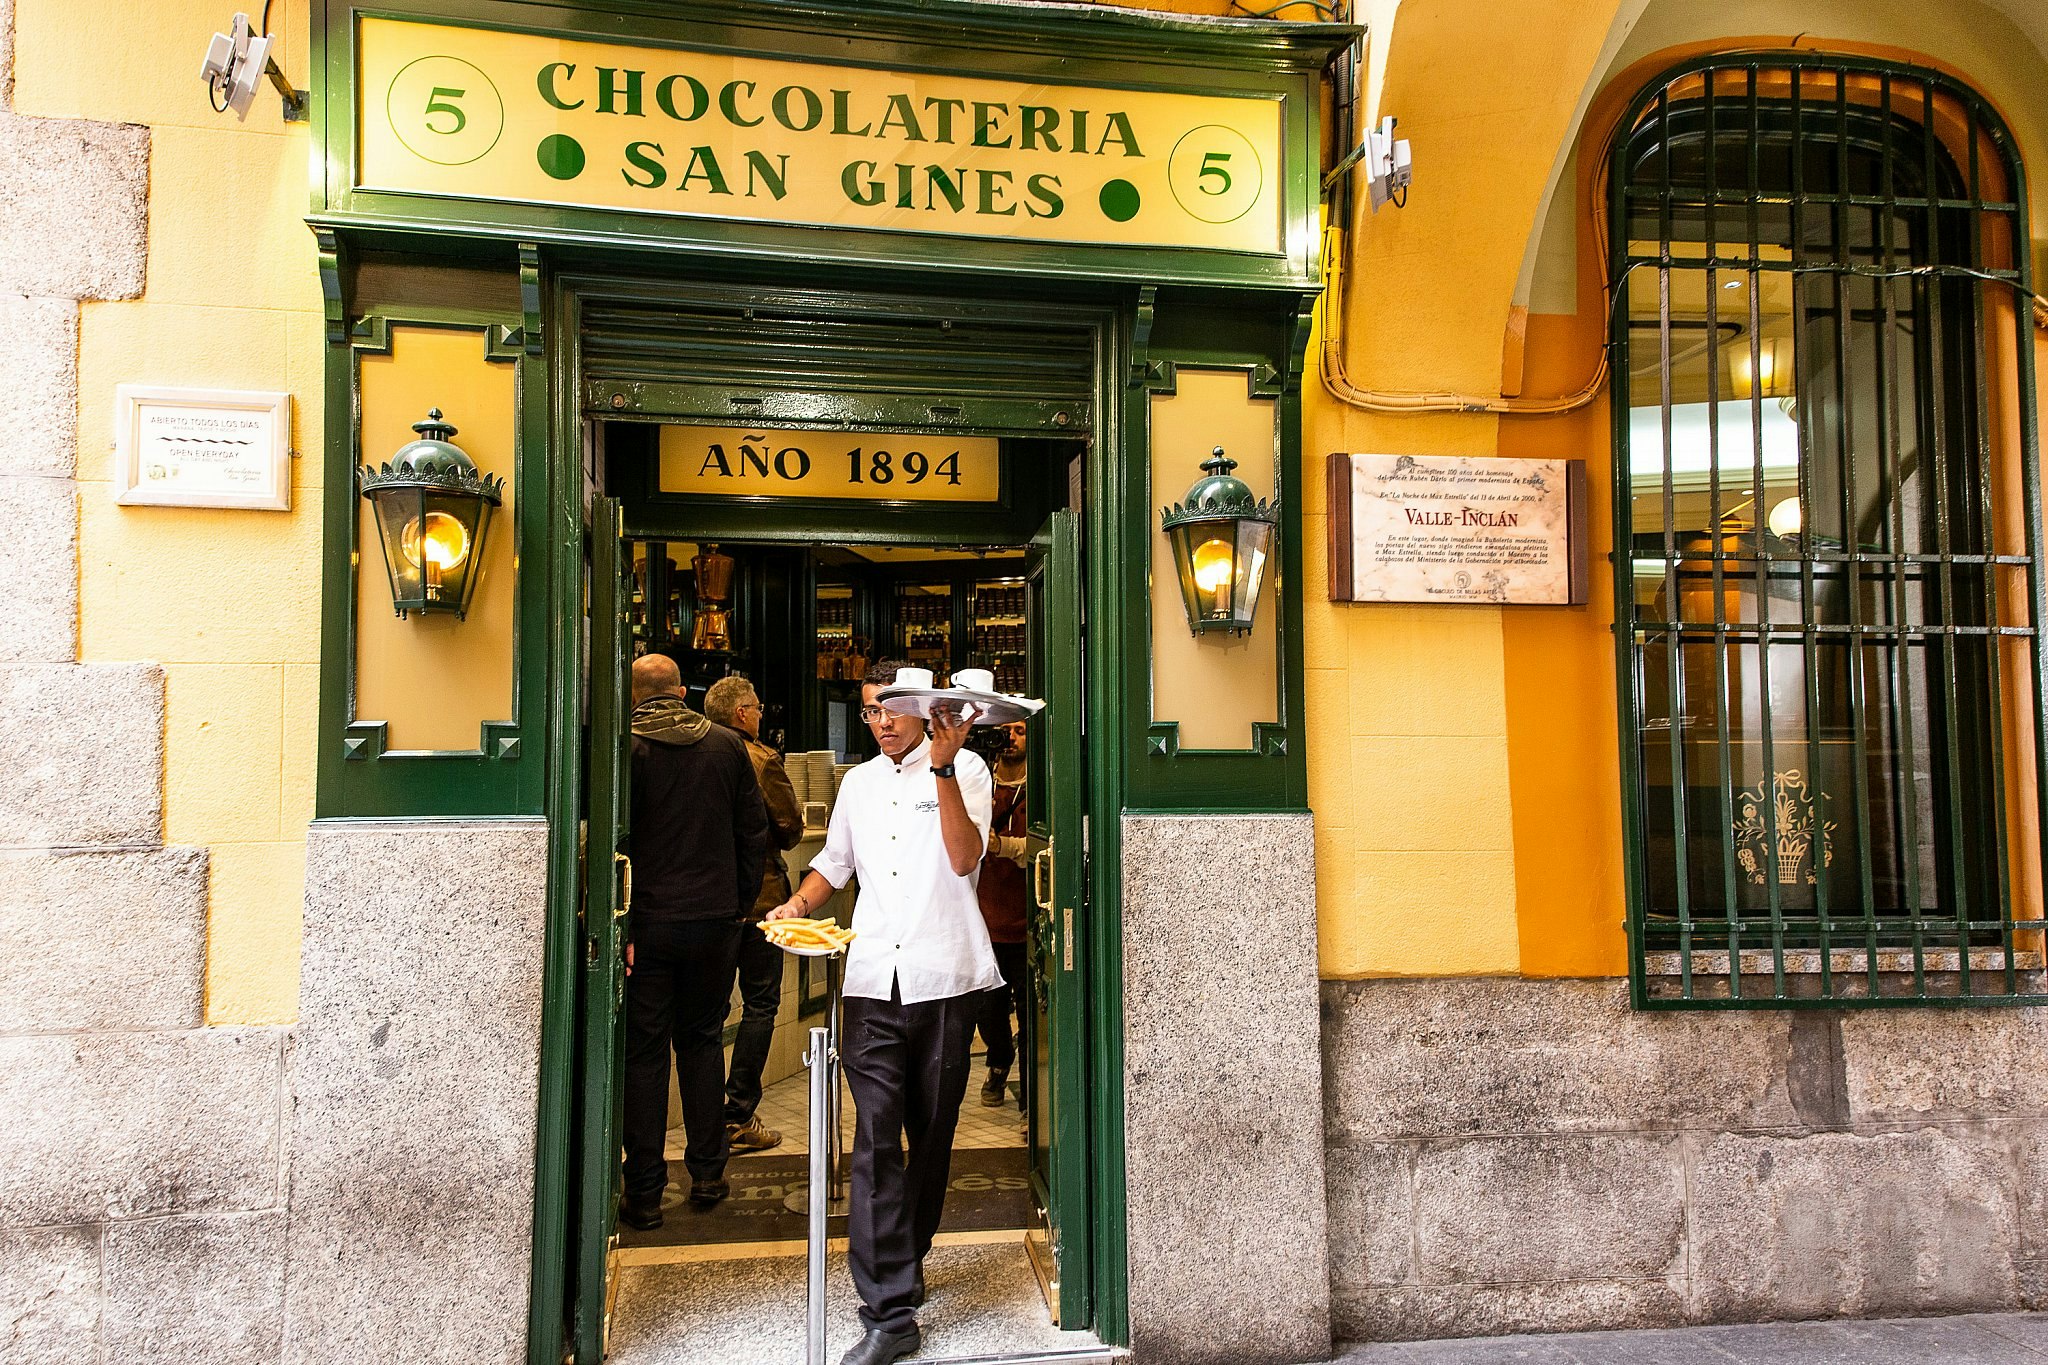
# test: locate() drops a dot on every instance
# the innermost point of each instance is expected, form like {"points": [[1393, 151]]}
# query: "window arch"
{"points": [[1827, 537]]}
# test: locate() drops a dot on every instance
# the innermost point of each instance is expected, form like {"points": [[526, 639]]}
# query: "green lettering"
{"points": [[813, 107], [716, 455], [1080, 138], [899, 114], [1119, 130], [986, 116], [546, 81], [637, 156], [903, 200], [945, 109], [728, 104], [1040, 124], [609, 88], [759, 172], [839, 116], [857, 179], [704, 166], [1045, 189], [665, 97], [955, 191], [994, 187]]}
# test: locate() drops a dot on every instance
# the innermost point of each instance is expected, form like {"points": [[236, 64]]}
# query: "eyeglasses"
{"points": [[871, 714]]}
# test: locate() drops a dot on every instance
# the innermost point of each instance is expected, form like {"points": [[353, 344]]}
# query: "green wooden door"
{"points": [[607, 890], [1059, 966]]}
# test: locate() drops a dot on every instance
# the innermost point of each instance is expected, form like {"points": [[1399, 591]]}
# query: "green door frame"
{"points": [[1111, 635]]}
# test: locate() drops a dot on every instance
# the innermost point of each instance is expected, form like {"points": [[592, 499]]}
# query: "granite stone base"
{"points": [[1223, 1123], [415, 1083], [1534, 1156]]}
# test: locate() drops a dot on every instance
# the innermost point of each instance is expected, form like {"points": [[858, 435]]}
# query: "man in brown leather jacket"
{"points": [[733, 703]]}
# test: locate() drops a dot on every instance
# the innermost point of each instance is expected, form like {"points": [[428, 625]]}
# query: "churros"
{"points": [[807, 935]]}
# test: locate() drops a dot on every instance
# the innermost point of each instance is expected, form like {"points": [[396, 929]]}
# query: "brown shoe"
{"points": [[751, 1136]]}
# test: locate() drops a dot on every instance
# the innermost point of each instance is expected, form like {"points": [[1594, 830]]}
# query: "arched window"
{"points": [[1827, 538]]}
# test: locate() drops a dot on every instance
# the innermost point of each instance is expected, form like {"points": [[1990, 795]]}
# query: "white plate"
{"points": [[808, 952]]}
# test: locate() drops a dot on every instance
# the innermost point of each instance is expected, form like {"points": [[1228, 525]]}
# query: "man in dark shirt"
{"points": [[699, 839]]}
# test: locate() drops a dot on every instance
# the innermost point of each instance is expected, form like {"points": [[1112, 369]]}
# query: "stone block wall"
{"points": [[142, 1154], [1514, 1155], [1223, 1135]]}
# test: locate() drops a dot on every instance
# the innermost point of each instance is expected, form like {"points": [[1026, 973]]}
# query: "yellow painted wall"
{"points": [[1488, 836], [226, 601], [1408, 706]]}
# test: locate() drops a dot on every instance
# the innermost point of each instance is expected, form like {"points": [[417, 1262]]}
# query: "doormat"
{"points": [[989, 1191]]}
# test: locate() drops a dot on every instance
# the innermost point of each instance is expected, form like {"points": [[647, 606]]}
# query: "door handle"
{"points": [[624, 867], [1041, 878]]}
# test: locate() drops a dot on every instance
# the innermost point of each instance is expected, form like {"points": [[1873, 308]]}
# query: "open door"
{"points": [[1056, 810], [607, 893]]}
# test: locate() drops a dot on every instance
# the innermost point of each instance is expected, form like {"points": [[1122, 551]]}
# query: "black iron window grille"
{"points": [[1828, 587]]}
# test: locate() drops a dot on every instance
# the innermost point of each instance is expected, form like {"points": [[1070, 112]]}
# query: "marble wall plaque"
{"points": [[1422, 528]]}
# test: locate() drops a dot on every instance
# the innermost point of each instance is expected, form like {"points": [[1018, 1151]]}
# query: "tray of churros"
{"points": [[807, 937]]}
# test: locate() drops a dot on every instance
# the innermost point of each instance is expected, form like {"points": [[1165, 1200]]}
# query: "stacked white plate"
{"points": [[818, 769], [800, 779]]}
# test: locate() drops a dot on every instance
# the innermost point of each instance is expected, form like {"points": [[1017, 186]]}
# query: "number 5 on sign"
{"points": [[444, 110], [1214, 173]]}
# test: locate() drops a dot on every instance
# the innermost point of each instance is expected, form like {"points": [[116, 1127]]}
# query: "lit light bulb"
{"points": [[1785, 519], [440, 546], [1213, 571]]}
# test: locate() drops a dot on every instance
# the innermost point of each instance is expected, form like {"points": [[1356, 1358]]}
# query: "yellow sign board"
{"points": [[500, 115], [749, 462]]}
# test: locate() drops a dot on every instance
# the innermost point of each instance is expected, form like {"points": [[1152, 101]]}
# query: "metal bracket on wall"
{"points": [[1141, 333], [1296, 359], [529, 298], [329, 245]]}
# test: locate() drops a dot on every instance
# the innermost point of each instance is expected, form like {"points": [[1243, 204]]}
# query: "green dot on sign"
{"points": [[1120, 201], [560, 155]]}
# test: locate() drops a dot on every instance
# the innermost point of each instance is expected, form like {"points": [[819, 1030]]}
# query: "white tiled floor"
{"points": [[785, 1107]]}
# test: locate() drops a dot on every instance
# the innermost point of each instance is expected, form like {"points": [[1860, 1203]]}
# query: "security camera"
{"points": [[1389, 165], [236, 63]]}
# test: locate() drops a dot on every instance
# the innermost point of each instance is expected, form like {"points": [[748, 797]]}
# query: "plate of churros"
{"points": [[807, 937]]}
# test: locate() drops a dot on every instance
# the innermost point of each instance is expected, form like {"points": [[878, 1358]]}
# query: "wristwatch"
{"points": [[942, 770]]}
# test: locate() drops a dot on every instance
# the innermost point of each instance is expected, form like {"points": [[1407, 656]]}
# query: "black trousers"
{"points": [[760, 974], [677, 998], [997, 1005], [907, 1068]]}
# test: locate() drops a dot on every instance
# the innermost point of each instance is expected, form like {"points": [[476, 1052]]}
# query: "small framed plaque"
{"points": [[202, 448], [1418, 528]]}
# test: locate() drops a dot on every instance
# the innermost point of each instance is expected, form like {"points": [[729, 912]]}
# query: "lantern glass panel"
{"points": [[433, 543], [1254, 554]]}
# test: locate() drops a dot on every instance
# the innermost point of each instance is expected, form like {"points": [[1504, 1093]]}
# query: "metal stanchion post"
{"points": [[799, 1201], [824, 1077], [833, 1009]]}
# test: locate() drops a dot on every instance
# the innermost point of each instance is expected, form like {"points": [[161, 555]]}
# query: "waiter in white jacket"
{"points": [[912, 824]]}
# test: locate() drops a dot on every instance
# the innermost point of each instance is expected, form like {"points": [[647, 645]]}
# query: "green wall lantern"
{"points": [[433, 507], [1222, 541]]}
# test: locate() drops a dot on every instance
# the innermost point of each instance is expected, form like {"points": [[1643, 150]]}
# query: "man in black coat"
{"points": [[698, 842]]}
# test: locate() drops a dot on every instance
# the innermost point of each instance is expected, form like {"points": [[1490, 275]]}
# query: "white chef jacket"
{"points": [[917, 925]]}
